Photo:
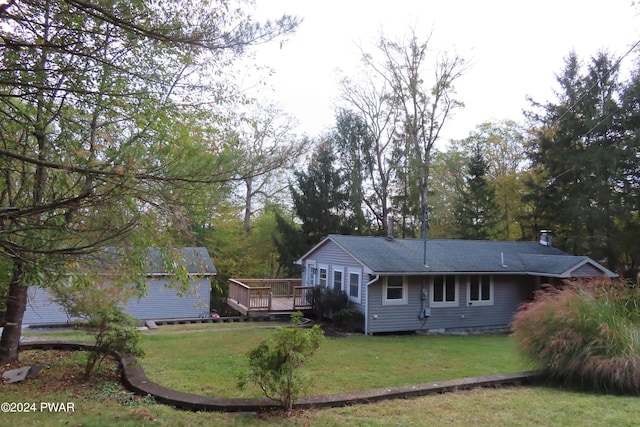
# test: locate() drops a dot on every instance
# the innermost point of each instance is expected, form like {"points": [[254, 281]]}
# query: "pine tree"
{"points": [[476, 211], [584, 144], [321, 203]]}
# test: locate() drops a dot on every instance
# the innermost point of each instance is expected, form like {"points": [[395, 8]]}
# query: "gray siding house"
{"points": [[438, 285], [162, 300]]}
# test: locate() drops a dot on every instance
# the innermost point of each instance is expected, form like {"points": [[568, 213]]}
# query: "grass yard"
{"points": [[209, 362], [356, 362]]}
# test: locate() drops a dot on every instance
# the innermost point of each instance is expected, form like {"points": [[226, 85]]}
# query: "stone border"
{"points": [[135, 379]]}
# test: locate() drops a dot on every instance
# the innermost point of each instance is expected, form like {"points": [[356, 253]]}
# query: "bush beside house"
{"points": [[585, 334]]}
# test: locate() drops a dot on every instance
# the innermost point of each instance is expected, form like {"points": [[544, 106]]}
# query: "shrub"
{"points": [[325, 302], [333, 301], [114, 331], [275, 364], [586, 334], [95, 303], [314, 298], [348, 320]]}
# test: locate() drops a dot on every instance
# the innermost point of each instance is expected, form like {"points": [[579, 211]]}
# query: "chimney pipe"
{"points": [[389, 227], [545, 237]]}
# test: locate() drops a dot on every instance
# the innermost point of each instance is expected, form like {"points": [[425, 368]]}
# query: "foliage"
{"points": [[503, 148], [96, 304], [476, 211], [320, 197], [290, 243], [348, 320], [403, 112], [321, 203], [586, 334], [448, 166], [586, 144], [112, 391], [114, 122], [353, 141], [334, 300], [325, 302], [114, 331], [275, 364]]}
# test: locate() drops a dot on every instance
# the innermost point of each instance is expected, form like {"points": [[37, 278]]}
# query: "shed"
{"points": [[161, 301]]}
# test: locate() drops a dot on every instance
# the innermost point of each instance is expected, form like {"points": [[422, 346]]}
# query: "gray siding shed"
{"points": [[161, 302]]}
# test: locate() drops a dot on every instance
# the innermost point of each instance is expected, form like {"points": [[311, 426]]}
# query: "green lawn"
{"points": [[216, 357], [206, 361]]}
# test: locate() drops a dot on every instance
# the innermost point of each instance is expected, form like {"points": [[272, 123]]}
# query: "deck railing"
{"points": [[279, 287], [300, 297], [258, 294]]}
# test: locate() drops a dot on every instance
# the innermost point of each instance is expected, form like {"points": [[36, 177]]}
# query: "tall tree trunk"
{"points": [[248, 202], [16, 304]]}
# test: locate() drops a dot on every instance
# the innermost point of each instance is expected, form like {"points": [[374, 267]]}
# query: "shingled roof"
{"points": [[381, 255], [195, 259], [157, 261]]}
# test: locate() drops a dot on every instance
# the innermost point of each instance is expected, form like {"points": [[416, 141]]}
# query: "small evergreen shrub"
{"points": [[114, 331], [275, 364], [586, 334], [348, 320]]}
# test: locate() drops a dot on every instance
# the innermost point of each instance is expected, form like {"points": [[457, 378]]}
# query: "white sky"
{"points": [[516, 48]]}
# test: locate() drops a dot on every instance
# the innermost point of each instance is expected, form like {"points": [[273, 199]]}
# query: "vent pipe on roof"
{"points": [[545, 237], [425, 227]]}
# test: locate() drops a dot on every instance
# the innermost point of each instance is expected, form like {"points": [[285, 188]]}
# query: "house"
{"points": [[162, 300], [438, 285]]}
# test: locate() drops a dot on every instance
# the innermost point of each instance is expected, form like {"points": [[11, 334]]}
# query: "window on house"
{"points": [[311, 274], [323, 272], [394, 290], [444, 291], [337, 278], [480, 290], [354, 287]]}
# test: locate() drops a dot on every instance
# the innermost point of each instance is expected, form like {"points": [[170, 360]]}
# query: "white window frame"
{"points": [[323, 268], [480, 302], [310, 274], [356, 298], [445, 303], [337, 269], [395, 301]]}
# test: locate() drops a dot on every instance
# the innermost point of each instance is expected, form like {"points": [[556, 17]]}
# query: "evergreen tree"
{"points": [[321, 204], [476, 211], [353, 141], [584, 144], [320, 198]]}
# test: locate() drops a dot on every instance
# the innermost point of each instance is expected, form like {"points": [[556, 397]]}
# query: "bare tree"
{"points": [[369, 99], [425, 105], [268, 148]]}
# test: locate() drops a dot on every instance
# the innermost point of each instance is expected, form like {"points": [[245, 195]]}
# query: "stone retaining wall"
{"points": [[135, 379]]}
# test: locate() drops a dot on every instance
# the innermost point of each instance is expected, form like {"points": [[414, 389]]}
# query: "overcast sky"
{"points": [[515, 47]]}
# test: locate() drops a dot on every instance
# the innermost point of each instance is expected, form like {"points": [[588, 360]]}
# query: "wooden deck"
{"points": [[272, 296]]}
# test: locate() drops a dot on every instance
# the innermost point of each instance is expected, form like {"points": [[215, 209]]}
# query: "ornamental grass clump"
{"points": [[585, 334]]}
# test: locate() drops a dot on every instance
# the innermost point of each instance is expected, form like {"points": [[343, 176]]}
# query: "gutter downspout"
{"points": [[366, 306]]}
